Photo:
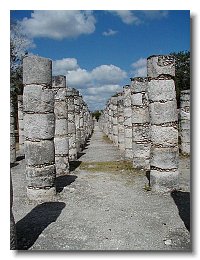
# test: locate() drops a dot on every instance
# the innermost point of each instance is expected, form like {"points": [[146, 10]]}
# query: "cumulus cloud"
{"points": [[96, 85], [139, 17], [60, 67], [139, 68], [155, 14], [79, 78], [59, 24], [109, 74], [110, 32], [104, 89], [127, 17]]}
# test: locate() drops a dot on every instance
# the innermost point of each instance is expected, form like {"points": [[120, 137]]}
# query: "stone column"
{"points": [[71, 124], [110, 114], [12, 132], [185, 122], [13, 235], [140, 123], [77, 120], [120, 112], [114, 120], [164, 128], [128, 123], [61, 140], [39, 127], [21, 124], [81, 123]]}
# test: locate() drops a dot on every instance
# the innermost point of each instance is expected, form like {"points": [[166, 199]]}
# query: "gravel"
{"points": [[103, 210]]}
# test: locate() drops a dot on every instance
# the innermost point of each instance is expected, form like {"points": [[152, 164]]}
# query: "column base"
{"points": [[164, 181], [41, 194]]}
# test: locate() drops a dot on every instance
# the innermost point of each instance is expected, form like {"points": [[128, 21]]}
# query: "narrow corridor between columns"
{"points": [[99, 148]]}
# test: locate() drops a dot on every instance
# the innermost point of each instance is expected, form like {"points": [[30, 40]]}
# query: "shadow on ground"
{"points": [[63, 181], [73, 165], [182, 201], [31, 226]]}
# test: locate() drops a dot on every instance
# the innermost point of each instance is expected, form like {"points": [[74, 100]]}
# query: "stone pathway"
{"points": [[96, 210]]}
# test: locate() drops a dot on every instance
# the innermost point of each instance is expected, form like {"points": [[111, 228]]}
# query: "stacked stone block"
{"points": [[120, 120], [61, 140], [77, 121], [71, 92], [185, 122], [140, 123], [114, 120], [81, 123], [127, 122], [12, 132], [21, 124], [39, 127], [13, 235], [164, 126]]}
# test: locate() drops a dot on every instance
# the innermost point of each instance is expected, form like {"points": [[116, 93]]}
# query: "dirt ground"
{"points": [[103, 210]]}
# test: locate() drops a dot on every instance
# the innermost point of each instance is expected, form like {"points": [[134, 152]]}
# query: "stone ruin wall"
{"points": [[147, 123]]}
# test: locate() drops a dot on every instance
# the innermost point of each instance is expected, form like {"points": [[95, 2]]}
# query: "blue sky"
{"points": [[99, 51]]}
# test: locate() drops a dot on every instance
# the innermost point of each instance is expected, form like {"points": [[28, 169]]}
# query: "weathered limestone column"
{"points": [[114, 120], [71, 124], [61, 140], [82, 142], [140, 123], [163, 118], [128, 123], [110, 113], [12, 132], [39, 126], [185, 122], [21, 124], [120, 112], [84, 123], [77, 120], [13, 235]]}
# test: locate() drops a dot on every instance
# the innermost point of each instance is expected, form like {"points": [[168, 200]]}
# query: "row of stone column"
{"points": [[56, 125], [143, 122]]}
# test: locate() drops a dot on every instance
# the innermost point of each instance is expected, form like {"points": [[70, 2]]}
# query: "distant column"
{"points": [[185, 122], [13, 235], [71, 125], [128, 123], [21, 124], [120, 112], [114, 120], [77, 120], [164, 128], [140, 123], [12, 132], [39, 126], [61, 140]]}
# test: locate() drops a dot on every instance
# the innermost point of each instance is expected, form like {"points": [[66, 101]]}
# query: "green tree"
{"points": [[96, 114], [182, 70], [19, 43]]}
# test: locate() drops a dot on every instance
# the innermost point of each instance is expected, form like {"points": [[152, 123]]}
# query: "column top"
{"points": [[37, 70]]}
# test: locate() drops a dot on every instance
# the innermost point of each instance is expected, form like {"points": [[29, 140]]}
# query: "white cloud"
{"points": [[60, 67], [59, 24], [104, 89], [139, 68], [79, 78], [96, 85], [155, 14], [110, 32], [127, 17], [108, 74], [138, 17]]}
